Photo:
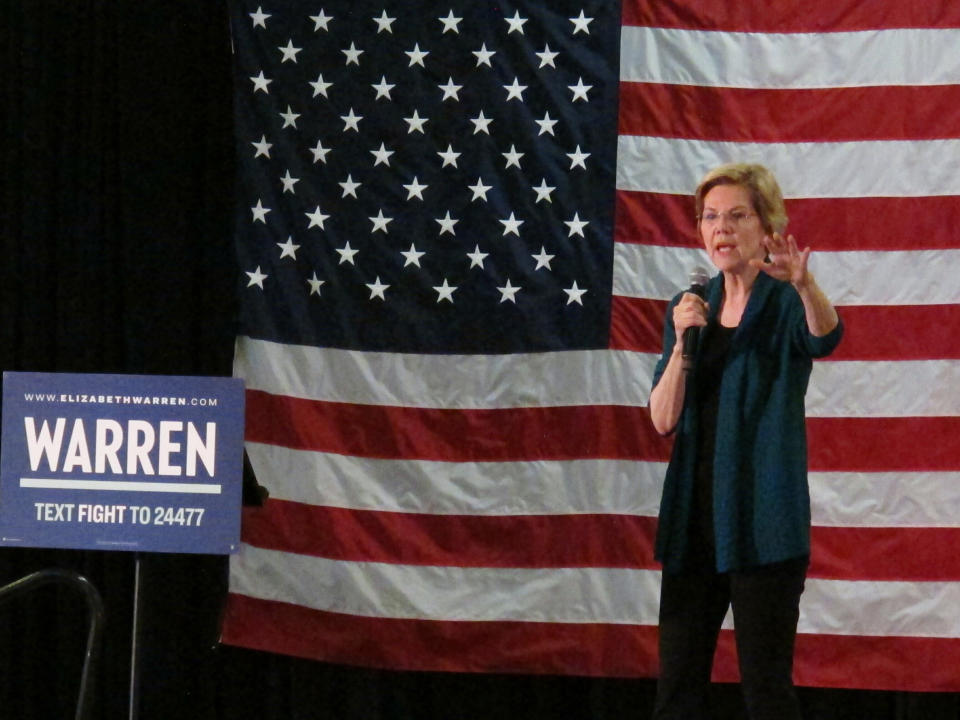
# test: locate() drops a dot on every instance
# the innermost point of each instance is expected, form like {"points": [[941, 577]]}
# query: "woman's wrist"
{"points": [[805, 283]]}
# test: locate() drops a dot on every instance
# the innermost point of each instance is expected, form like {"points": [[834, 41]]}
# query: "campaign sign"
{"points": [[121, 462]]}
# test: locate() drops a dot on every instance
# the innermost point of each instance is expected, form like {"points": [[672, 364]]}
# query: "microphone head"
{"points": [[699, 277]]}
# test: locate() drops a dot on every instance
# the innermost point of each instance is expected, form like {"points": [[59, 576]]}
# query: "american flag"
{"points": [[459, 226]]}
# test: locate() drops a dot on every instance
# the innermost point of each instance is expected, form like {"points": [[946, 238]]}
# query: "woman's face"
{"points": [[730, 228]]}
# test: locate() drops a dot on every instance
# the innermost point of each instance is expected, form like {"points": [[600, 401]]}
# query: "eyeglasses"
{"points": [[736, 217]]}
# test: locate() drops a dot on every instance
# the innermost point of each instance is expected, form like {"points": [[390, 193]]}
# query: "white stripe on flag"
{"points": [[900, 168], [463, 488], [606, 377], [885, 499], [848, 278], [554, 379], [611, 595], [906, 388], [495, 489], [568, 595], [914, 56]]}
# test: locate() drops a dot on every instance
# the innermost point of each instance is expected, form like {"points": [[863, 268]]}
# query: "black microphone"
{"points": [[691, 336]]}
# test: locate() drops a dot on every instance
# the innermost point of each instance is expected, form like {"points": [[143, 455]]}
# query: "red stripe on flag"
{"points": [[558, 541], [783, 17], [885, 553], [917, 664], [899, 332], [837, 444], [637, 324], [588, 540], [897, 112], [855, 444], [834, 224], [591, 649], [871, 332], [558, 433], [595, 649], [647, 218]]}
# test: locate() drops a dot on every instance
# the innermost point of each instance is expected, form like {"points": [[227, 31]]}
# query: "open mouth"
{"points": [[724, 247]]}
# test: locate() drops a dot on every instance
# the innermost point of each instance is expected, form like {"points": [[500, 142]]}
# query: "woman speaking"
{"points": [[734, 525]]}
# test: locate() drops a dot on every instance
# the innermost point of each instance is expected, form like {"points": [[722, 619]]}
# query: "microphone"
{"points": [[691, 336]]}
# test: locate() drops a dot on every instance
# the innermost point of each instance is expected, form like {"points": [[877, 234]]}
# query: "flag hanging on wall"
{"points": [[459, 227]]}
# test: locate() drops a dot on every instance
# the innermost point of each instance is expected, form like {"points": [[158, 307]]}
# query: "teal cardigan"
{"points": [[761, 506]]}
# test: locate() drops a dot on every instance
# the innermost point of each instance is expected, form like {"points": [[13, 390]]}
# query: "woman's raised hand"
{"points": [[784, 260]]}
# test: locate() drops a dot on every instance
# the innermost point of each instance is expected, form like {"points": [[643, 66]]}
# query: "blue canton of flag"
{"points": [[423, 178]]}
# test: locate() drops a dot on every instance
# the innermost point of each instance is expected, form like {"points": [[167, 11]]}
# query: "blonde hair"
{"points": [[759, 182]]}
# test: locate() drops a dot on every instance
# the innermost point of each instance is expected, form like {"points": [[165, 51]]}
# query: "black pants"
{"points": [[765, 604]]}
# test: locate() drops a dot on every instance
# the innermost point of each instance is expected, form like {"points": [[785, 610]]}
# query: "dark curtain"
{"points": [[115, 211]]}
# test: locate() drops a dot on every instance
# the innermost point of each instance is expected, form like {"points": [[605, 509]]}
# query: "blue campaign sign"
{"points": [[121, 462]]}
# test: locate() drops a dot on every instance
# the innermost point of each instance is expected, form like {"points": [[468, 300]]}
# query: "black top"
{"points": [[715, 341]]}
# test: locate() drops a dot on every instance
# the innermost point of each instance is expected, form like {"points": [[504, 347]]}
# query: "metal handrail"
{"points": [[94, 617]]}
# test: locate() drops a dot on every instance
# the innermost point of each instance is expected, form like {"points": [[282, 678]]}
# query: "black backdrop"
{"points": [[115, 220]]}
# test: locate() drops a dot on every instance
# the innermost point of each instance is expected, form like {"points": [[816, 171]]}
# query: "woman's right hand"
{"points": [[691, 311]]}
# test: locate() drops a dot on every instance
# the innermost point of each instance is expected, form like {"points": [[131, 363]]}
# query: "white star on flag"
{"points": [[484, 55], [511, 225], [513, 157], [449, 156], [316, 218], [260, 20], [546, 124], [450, 23], [383, 88], [580, 24], [574, 294], [260, 212], [321, 21], [346, 254], [320, 87], [288, 182], [516, 23], [383, 23], [416, 123], [417, 56], [479, 190], [445, 291], [515, 90], [288, 249], [256, 278], [544, 191], [351, 121], [578, 158], [353, 54], [447, 223], [320, 153], [260, 83], [314, 282], [289, 118], [380, 222], [349, 187], [580, 90], [382, 155], [576, 225], [412, 256], [543, 259], [477, 257], [415, 189], [547, 57], [290, 52], [508, 292], [263, 147], [451, 90], [377, 289]]}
